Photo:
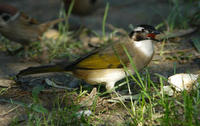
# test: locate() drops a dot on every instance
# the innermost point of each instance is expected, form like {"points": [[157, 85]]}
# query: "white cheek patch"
{"points": [[14, 17], [145, 46], [2, 22], [5, 18], [138, 29]]}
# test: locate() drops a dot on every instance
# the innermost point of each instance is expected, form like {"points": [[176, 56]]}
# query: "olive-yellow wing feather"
{"points": [[97, 61], [108, 57]]}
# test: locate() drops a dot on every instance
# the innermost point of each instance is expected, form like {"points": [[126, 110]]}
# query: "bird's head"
{"points": [[143, 32], [7, 14]]}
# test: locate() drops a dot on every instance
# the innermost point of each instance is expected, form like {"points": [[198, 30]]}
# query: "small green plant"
{"points": [[178, 16], [64, 27], [3, 91], [104, 21]]}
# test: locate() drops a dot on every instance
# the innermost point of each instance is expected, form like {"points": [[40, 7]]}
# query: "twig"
{"points": [[6, 83], [124, 98], [9, 111], [53, 84], [175, 34], [53, 90], [175, 51], [115, 28]]}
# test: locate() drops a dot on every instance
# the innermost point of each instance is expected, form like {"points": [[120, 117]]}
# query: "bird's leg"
{"points": [[110, 86], [44, 56], [26, 51], [111, 89]]}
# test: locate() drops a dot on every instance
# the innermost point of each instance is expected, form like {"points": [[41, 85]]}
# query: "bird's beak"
{"points": [[153, 35], [156, 32]]}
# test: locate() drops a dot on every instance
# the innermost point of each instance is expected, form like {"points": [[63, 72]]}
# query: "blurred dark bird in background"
{"points": [[81, 7], [19, 27]]}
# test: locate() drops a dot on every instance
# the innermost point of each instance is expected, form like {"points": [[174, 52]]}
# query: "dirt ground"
{"points": [[120, 15]]}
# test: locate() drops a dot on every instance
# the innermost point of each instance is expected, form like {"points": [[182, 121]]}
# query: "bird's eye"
{"points": [[142, 30], [5, 17]]}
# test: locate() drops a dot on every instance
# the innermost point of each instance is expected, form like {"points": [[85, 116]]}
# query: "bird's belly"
{"points": [[21, 36], [100, 76]]}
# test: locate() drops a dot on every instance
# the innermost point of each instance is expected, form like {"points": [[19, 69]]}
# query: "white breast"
{"points": [[109, 75], [145, 46]]}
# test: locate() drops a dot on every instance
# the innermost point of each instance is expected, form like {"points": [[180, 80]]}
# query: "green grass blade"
{"points": [[104, 20], [196, 42], [133, 65]]}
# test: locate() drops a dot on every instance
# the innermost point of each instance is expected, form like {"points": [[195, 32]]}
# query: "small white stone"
{"points": [[84, 113], [183, 81]]}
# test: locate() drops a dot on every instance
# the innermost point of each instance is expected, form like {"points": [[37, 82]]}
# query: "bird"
{"points": [[105, 65], [21, 28], [81, 7]]}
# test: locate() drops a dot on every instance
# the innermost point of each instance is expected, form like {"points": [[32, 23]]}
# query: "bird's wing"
{"points": [[25, 19], [44, 26], [103, 58], [99, 61]]}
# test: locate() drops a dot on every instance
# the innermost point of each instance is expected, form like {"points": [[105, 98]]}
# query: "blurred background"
{"points": [[121, 13]]}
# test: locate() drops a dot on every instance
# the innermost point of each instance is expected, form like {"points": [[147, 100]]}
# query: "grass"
{"points": [[182, 15], [104, 21], [156, 108], [150, 106], [177, 17], [196, 42]]}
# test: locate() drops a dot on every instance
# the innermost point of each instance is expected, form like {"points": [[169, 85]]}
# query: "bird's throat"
{"points": [[145, 47]]}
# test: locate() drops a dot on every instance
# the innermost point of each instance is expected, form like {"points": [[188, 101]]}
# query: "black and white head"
{"points": [[8, 13], [143, 32]]}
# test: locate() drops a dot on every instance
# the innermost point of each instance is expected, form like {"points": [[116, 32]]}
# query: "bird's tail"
{"points": [[41, 69], [46, 25]]}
